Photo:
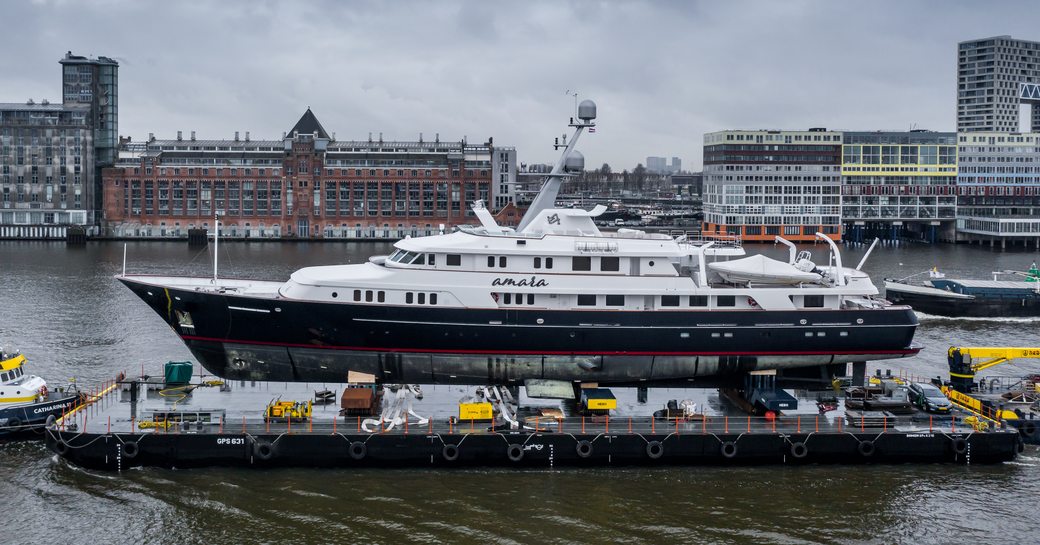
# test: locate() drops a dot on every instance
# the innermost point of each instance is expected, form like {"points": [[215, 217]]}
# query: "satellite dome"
{"points": [[587, 110], [575, 162]]}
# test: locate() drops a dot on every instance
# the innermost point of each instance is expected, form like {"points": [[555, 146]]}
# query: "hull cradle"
{"points": [[277, 339]]}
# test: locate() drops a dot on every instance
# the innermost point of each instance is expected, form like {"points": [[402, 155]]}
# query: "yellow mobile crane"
{"points": [[965, 362]]}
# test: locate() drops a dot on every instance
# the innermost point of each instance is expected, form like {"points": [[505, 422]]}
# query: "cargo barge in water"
{"points": [[147, 422]]}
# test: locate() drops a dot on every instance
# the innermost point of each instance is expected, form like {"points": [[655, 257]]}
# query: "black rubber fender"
{"points": [[50, 420], [61, 446], [131, 449], [263, 449], [450, 452], [729, 449], [959, 445], [13, 423], [654, 450], [515, 452], [357, 450], [866, 448], [583, 448], [1028, 429], [1020, 446], [799, 450]]}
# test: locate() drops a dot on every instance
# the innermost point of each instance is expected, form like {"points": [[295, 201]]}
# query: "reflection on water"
{"points": [[64, 309]]}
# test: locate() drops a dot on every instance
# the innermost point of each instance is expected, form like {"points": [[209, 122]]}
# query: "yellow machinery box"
{"points": [[475, 411]]}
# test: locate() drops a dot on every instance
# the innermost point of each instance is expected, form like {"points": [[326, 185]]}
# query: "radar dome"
{"points": [[575, 162], [587, 110]]}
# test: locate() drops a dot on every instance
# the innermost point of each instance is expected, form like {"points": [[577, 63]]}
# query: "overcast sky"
{"points": [[662, 73]]}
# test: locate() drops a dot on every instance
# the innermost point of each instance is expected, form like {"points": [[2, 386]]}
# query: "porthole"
{"points": [[684, 335], [335, 295], [859, 320], [651, 263]]}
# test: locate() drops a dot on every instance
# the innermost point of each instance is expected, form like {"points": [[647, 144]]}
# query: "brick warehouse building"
{"points": [[307, 185]]}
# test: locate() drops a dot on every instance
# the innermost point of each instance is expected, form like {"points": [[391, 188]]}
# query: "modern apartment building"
{"points": [[51, 154], [306, 185], [759, 184], [994, 76], [894, 182], [999, 188]]}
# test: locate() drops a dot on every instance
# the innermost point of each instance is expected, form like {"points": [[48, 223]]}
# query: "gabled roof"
{"points": [[308, 124]]}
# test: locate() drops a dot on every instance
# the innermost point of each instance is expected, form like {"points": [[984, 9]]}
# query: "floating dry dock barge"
{"points": [[206, 424]]}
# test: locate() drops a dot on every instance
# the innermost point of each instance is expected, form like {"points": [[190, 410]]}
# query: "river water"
{"points": [[62, 307]]}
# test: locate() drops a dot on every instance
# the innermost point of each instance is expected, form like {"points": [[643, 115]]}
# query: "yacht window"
{"points": [[610, 264], [394, 256], [357, 295], [3, 377], [698, 300], [581, 263], [382, 297], [432, 259], [726, 301], [548, 263], [453, 260], [502, 262], [615, 301], [491, 261], [433, 298], [530, 298], [519, 298], [422, 298], [669, 300], [586, 300], [408, 298], [813, 301], [368, 296], [420, 259], [538, 263], [507, 298]]}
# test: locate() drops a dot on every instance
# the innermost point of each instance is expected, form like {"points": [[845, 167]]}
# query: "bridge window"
{"points": [[610, 264], [615, 300], [453, 260], [726, 301], [698, 301], [581, 263], [813, 301], [669, 300]]}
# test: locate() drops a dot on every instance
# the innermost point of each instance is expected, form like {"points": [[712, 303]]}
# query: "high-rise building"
{"points": [[898, 181], [999, 188], [306, 185], [994, 77], [759, 184], [51, 155], [676, 166], [656, 164]]}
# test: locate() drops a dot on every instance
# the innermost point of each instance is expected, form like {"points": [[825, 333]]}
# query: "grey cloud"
{"points": [[663, 73]]}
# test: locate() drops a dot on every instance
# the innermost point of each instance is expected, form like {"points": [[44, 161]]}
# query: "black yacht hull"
{"points": [[244, 337]]}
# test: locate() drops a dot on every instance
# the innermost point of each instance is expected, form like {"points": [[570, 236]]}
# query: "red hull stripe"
{"points": [[906, 351]]}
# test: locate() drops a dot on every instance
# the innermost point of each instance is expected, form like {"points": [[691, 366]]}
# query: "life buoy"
{"points": [[130, 449], [799, 450], [43, 392], [654, 449], [515, 452], [959, 445], [583, 448], [358, 450], [450, 452], [866, 448], [263, 450], [751, 302], [729, 449]]}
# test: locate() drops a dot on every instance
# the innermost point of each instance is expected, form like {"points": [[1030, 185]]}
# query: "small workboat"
{"points": [[1008, 294], [25, 402]]}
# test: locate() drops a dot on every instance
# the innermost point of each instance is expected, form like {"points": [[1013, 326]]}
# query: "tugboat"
{"points": [[553, 299], [957, 298], [25, 403]]}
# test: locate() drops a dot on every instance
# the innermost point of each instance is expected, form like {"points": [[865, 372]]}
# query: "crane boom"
{"points": [[966, 361]]}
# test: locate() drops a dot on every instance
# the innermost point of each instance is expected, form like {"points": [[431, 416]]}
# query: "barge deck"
{"points": [[223, 425]]}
